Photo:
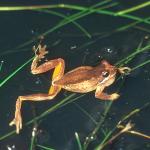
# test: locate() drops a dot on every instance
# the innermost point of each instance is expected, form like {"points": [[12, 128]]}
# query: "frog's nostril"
{"points": [[105, 74]]}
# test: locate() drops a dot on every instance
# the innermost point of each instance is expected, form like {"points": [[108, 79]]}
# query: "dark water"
{"points": [[57, 129]]}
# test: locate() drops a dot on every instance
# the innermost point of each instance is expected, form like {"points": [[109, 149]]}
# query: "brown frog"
{"points": [[82, 80]]}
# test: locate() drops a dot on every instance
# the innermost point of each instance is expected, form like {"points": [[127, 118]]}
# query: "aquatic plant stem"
{"points": [[125, 129], [106, 139], [124, 60], [69, 19], [1, 64], [89, 138], [67, 6], [69, 99], [65, 17], [132, 9], [44, 147], [78, 141], [14, 72]]}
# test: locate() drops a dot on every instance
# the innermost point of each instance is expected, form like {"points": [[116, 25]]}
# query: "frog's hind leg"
{"points": [[53, 91], [17, 121]]}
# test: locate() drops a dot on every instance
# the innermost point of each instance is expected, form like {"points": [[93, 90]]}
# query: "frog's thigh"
{"points": [[59, 70], [104, 96], [57, 75]]}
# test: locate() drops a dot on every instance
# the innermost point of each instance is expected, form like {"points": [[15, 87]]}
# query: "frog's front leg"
{"points": [[59, 66], [104, 96]]}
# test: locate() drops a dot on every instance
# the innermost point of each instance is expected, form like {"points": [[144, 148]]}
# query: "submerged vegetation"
{"points": [[123, 125]]}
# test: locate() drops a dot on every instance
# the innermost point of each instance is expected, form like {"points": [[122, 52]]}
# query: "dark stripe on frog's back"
{"points": [[80, 74]]}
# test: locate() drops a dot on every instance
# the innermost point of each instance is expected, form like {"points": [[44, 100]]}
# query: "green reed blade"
{"points": [[92, 10], [44, 147], [32, 143], [62, 103], [131, 57], [78, 141], [86, 113], [66, 18], [75, 7], [70, 19], [14, 72], [142, 29], [93, 133], [129, 10], [103, 143], [121, 62], [141, 65], [1, 65]]}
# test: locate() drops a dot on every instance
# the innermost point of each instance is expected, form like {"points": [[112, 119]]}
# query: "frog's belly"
{"points": [[82, 87]]}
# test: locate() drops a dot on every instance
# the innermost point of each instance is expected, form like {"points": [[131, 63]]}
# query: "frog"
{"points": [[82, 79]]}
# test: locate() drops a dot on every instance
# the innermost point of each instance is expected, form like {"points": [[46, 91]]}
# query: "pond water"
{"points": [[57, 129]]}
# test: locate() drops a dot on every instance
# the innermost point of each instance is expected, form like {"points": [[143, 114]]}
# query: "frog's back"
{"points": [[82, 80]]}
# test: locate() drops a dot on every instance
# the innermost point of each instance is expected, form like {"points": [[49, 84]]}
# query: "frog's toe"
{"points": [[12, 122], [17, 123], [18, 127], [114, 96]]}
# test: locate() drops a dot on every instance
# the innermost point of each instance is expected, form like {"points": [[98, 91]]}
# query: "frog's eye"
{"points": [[105, 74]]}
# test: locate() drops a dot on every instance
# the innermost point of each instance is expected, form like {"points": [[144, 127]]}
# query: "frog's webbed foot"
{"points": [[40, 51], [17, 121], [124, 70]]}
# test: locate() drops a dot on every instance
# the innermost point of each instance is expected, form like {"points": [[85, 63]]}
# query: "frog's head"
{"points": [[108, 69], [108, 73]]}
